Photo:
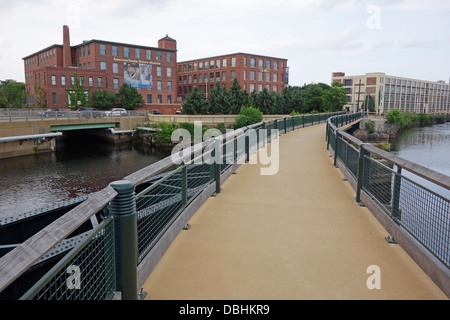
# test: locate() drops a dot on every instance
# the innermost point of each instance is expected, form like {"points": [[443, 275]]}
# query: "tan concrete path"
{"points": [[298, 234]]}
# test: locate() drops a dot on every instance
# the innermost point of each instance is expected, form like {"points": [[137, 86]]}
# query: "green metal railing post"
{"points": [[123, 209], [285, 125], [264, 138], [184, 185], [217, 165], [360, 177], [247, 147], [396, 196], [328, 136], [335, 147], [293, 123], [303, 120]]}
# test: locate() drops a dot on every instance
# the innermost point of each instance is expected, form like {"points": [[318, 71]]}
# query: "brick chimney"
{"points": [[67, 51]]}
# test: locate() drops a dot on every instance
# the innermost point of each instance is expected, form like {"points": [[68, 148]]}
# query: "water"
{"points": [[428, 146], [74, 170]]}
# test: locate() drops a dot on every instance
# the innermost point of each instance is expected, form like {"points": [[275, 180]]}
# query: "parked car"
{"points": [[116, 112], [157, 112], [52, 113], [89, 113]]}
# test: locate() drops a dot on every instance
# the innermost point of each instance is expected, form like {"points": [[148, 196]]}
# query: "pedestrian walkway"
{"points": [[298, 235]]}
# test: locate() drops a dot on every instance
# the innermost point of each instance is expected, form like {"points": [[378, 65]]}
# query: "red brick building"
{"points": [[254, 73], [104, 65]]}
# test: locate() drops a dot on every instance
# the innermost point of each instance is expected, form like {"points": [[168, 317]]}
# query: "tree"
{"points": [[369, 104], [237, 97], [195, 103], [78, 95], [218, 100], [104, 99], [248, 116], [12, 94], [41, 98], [334, 98], [312, 97], [264, 101], [291, 100], [129, 97]]}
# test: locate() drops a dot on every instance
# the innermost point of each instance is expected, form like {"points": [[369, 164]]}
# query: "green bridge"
{"points": [[290, 208]]}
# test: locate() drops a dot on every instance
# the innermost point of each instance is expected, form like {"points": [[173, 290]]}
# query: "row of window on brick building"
{"points": [[209, 77], [138, 52], [222, 63]]}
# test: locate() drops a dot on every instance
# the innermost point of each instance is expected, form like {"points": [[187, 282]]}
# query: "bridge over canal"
{"points": [[325, 225]]}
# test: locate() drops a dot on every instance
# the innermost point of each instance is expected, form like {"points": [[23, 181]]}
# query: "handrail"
{"points": [[423, 172], [17, 261], [426, 173]]}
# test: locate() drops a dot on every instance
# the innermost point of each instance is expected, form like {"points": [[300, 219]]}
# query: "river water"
{"points": [[74, 170], [428, 146]]}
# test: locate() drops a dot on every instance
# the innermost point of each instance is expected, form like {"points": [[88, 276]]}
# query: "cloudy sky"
{"points": [[407, 38]]}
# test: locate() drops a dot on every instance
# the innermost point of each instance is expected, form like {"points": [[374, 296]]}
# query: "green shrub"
{"points": [[165, 134], [370, 126], [248, 116], [393, 117], [221, 127], [386, 147]]}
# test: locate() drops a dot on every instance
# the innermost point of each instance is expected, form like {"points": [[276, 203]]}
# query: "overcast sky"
{"points": [[408, 38]]}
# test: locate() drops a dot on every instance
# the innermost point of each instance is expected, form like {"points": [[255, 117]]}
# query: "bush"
{"points": [[221, 127], [370, 126], [248, 116], [165, 135], [402, 119]]}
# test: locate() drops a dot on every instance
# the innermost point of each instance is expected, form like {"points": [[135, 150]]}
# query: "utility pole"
{"points": [[359, 92]]}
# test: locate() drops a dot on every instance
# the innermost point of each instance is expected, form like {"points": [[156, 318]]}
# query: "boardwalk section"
{"points": [[298, 234]]}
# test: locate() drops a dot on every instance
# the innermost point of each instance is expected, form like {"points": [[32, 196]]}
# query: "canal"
{"points": [[75, 169]]}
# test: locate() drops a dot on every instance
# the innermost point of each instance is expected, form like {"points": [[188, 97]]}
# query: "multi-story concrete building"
{"points": [[394, 92], [254, 73], [104, 65]]}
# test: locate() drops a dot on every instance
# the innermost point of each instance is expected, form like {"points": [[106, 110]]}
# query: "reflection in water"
{"points": [[75, 169]]}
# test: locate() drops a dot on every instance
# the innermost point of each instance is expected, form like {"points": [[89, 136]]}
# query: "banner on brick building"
{"points": [[138, 75]]}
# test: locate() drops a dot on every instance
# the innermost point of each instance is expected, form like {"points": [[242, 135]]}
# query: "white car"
{"points": [[116, 112]]}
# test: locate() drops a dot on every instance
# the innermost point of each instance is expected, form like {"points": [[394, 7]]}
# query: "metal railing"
{"points": [[415, 198], [16, 114], [136, 212]]}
